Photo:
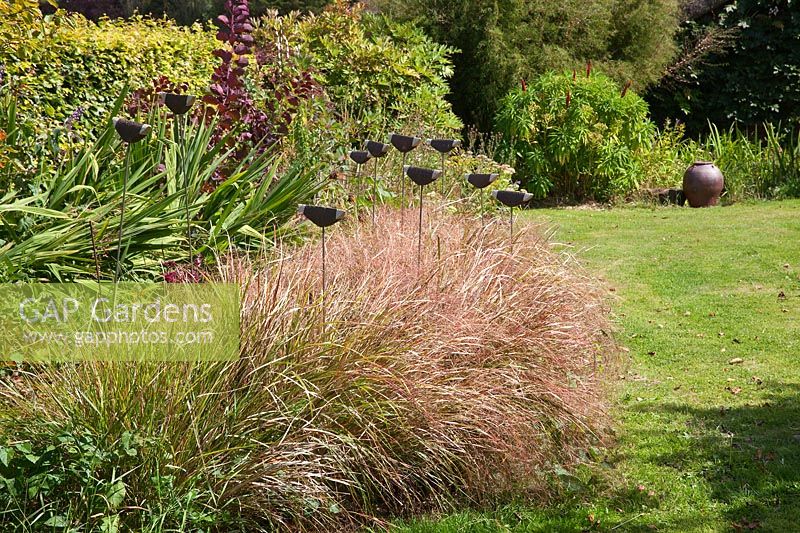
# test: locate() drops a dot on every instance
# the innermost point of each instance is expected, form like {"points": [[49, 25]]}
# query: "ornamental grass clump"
{"points": [[460, 381]]}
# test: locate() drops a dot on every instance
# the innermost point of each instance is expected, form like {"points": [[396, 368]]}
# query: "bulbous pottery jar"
{"points": [[702, 184]]}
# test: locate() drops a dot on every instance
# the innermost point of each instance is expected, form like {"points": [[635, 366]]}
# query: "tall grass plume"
{"points": [[461, 380]]}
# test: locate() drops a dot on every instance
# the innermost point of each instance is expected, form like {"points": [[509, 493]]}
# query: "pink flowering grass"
{"points": [[462, 380]]}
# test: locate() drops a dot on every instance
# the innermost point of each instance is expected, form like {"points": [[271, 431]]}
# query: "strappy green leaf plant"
{"points": [[67, 229]]}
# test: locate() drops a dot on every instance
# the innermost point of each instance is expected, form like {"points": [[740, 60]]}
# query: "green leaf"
{"points": [[13, 208], [110, 524], [57, 521], [116, 494]]}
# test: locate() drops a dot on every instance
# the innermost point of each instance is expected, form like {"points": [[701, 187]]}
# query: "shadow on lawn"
{"points": [[748, 455]]}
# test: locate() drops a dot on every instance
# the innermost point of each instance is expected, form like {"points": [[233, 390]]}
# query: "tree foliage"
{"points": [[504, 41], [756, 80]]}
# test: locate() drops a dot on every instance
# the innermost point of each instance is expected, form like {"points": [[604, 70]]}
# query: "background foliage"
{"points": [[377, 75], [576, 136], [767, 167], [65, 62], [183, 11], [509, 40], [755, 80]]}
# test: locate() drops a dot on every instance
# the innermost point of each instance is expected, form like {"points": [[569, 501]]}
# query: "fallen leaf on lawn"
{"points": [[781, 296], [721, 334], [757, 380], [687, 313], [676, 387], [734, 390], [736, 361], [737, 341], [651, 353]]}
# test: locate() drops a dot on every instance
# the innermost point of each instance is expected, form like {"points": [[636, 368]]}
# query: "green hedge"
{"points": [[63, 62]]}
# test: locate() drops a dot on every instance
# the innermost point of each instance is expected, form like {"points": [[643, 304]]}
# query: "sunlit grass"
{"points": [[705, 442]]}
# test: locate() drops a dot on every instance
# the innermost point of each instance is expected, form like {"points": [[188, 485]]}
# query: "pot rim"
{"points": [[700, 163]]}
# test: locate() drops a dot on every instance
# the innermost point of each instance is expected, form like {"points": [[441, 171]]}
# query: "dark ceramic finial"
{"points": [[481, 181], [422, 176], [177, 103], [512, 198], [131, 131], [444, 145], [404, 143], [321, 216], [377, 149], [360, 156]]}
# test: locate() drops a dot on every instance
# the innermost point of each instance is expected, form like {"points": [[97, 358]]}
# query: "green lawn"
{"points": [[708, 413]]}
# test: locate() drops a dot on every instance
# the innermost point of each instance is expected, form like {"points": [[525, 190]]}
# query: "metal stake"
{"points": [[324, 319], [403, 192], [357, 187], [443, 172], [122, 212], [512, 223], [374, 192], [419, 230]]}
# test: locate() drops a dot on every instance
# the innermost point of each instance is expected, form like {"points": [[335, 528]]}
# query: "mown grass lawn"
{"points": [[707, 302]]}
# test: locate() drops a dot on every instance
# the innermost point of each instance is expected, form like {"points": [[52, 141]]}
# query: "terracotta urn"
{"points": [[702, 184]]}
